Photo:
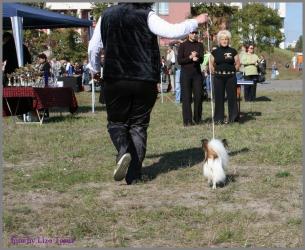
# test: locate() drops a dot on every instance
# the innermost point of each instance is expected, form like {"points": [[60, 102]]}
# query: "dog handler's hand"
{"points": [[202, 18], [194, 53]]}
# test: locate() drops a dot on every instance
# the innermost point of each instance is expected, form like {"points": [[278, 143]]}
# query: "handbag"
{"points": [[261, 67], [261, 78]]}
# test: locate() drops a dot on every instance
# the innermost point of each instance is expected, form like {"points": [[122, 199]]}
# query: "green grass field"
{"points": [[58, 180]]}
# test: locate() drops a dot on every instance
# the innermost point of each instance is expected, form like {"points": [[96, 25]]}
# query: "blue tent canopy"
{"points": [[17, 17], [35, 18]]}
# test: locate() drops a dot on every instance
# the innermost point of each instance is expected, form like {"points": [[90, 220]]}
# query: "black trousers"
{"points": [[226, 84], [128, 105], [250, 90], [102, 93], [191, 88]]}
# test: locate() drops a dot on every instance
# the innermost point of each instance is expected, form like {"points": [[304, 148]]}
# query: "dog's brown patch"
{"points": [[208, 152]]}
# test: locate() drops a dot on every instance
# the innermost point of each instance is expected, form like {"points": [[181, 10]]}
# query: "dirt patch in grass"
{"points": [[135, 212]]}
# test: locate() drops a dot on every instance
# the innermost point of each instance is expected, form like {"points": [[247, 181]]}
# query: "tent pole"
{"points": [[17, 28]]}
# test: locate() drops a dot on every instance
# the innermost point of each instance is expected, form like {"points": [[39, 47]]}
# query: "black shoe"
{"points": [[234, 120], [133, 177], [188, 124], [134, 180], [199, 122]]}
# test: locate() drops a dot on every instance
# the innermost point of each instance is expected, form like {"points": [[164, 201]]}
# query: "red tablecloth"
{"points": [[37, 98]]}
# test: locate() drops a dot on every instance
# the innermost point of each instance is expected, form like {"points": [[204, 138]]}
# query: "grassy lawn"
{"points": [[58, 180]]}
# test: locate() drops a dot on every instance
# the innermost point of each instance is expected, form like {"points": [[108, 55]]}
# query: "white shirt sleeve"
{"points": [[162, 28], [157, 25], [94, 49], [173, 59]]}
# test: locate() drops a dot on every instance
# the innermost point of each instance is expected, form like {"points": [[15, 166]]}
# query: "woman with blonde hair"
{"points": [[224, 62]]}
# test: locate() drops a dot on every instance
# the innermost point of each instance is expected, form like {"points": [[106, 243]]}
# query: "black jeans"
{"points": [[128, 105], [191, 83], [228, 84], [102, 93], [250, 90]]}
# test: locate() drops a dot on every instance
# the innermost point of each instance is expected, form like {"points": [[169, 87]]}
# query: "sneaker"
{"points": [[122, 167]]}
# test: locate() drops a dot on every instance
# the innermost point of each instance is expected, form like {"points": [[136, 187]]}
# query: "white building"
{"points": [[291, 45], [81, 9]]}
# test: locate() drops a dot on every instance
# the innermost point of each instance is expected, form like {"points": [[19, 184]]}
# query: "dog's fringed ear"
{"points": [[204, 143], [225, 142]]}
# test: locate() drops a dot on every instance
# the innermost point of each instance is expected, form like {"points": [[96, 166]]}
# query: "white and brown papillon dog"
{"points": [[215, 162]]}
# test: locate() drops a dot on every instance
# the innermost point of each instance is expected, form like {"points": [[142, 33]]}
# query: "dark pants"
{"points": [[226, 84], [102, 93], [191, 83], [129, 104], [250, 90]]}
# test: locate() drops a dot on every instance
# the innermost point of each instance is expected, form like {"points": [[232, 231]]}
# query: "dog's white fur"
{"points": [[214, 166]]}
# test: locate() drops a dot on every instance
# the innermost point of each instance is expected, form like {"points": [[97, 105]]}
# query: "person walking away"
{"points": [[190, 56], [224, 63], [128, 33], [250, 62]]}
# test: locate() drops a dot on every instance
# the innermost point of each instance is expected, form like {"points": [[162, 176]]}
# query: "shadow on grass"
{"points": [[243, 150], [263, 99], [248, 116], [87, 109], [62, 118], [229, 178], [172, 161], [180, 159]]}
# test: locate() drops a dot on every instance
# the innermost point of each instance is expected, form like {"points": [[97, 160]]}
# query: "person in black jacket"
{"points": [[190, 56], [10, 55], [128, 34], [224, 62]]}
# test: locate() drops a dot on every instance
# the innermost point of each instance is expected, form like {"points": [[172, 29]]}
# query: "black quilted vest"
{"points": [[131, 49]]}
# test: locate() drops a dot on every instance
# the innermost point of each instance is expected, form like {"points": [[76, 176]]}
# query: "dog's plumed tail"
{"points": [[219, 148]]}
